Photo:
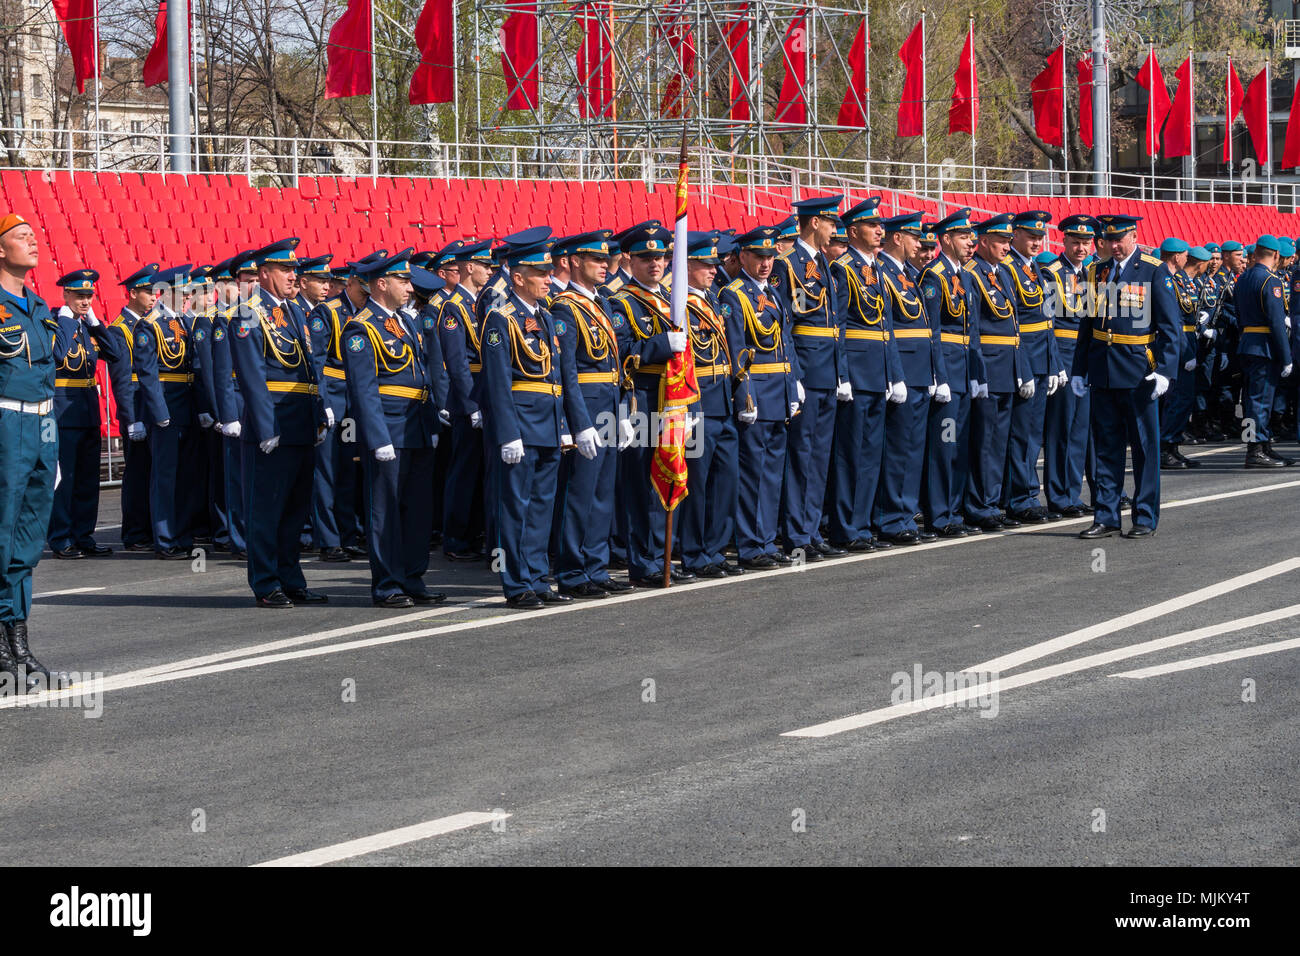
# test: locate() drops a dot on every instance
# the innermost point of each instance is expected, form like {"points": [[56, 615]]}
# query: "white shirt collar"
{"points": [[267, 295], [812, 253], [472, 296], [896, 262], [657, 290], [763, 286], [530, 309], [582, 290]]}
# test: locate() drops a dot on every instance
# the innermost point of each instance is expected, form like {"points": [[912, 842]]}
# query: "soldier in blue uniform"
{"points": [[1210, 282], [229, 276], [463, 517], [28, 455], [1042, 360], [204, 308], [585, 328], [1067, 444], [1176, 405], [78, 344], [874, 375], [163, 363], [1227, 373], [750, 302], [708, 513], [524, 390], [283, 419], [1264, 351], [949, 305], [137, 526], [1005, 371], [898, 498], [390, 395], [1126, 361], [801, 277], [787, 232]]}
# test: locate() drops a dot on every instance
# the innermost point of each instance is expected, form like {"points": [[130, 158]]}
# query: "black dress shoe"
{"points": [[927, 536], [732, 569], [528, 601], [1071, 511], [971, 529], [1140, 531], [356, 550], [1171, 462], [902, 538], [70, 553], [461, 555], [710, 571], [554, 597], [859, 545], [1258, 457], [1054, 515], [1098, 530], [988, 524], [172, 554], [951, 531], [878, 543], [780, 558], [395, 602], [657, 581], [304, 596], [1268, 447], [808, 553], [1027, 516], [1009, 521], [95, 550], [239, 555], [617, 563], [828, 550], [425, 598], [585, 590], [682, 575], [139, 547], [334, 555], [1086, 509], [764, 562], [1187, 462], [613, 587], [276, 600]]}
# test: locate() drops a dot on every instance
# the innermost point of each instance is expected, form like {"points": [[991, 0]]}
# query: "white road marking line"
{"points": [[1042, 649], [387, 840], [1215, 451], [1209, 659], [50, 594], [958, 696], [107, 527], [160, 674]]}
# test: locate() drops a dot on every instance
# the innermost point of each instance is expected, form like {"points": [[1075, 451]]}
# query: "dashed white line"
{"points": [[388, 839]]}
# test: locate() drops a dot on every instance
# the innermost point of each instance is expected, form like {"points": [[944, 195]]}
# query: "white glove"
{"points": [[943, 394], [233, 430], [476, 419], [677, 341], [205, 420], [844, 392], [1287, 319], [164, 423], [1052, 384], [322, 432], [512, 452], [270, 445], [984, 390], [444, 416], [1062, 378], [898, 392], [91, 320], [930, 390], [385, 453], [588, 442], [433, 440], [974, 389], [566, 440], [1026, 389], [625, 433], [794, 409], [329, 417], [798, 390], [1162, 383], [1210, 334], [748, 417], [135, 431], [1286, 371], [1223, 361], [1202, 316], [1079, 387], [1189, 365]]}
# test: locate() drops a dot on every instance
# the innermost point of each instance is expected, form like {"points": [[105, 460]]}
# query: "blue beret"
{"points": [[1198, 254], [1232, 245], [1268, 242], [1212, 248], [1288, 247], [1045, 258], [1172, 246]]}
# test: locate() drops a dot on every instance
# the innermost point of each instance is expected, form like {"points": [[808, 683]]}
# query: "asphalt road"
{"points": [[655, 728]]}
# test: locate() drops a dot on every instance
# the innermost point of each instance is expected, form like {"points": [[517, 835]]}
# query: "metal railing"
{"points": [[271, 161]]}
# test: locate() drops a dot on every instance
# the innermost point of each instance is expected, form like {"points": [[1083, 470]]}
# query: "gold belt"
{"points": [[184, 378], [1111, 338], [770, 368], [298, 388], [911, 333], [598, 378], [1035, 327], [956, 338], [1067, 333], [331, 372], [74, 382], [475, 367], [134, 377], [545, 388], [1189, 328], [1262, 329], [651, 370], [871, 335], [405, 391], [708, 371], [817, 330], [999, 340]]}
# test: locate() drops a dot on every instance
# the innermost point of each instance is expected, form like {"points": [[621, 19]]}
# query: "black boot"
{"points": [[1187, 462], [8, 663], [1286, 462], [1257, 457], [22, 654], [1169, 460]]}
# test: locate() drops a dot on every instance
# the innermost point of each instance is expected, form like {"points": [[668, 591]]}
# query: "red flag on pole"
{"points": [[77, 18], [348, 53], [791, 106], [855, 97], [1084, 71], [910, 107], [1152, 80], [1047, 96], [434, 80], [1234, 94], [519, 55], [1254, 107], [155, 64], [1291, 149], [964, 113], [1178, 130], [595, 64], [738, 44], [682, 40]]}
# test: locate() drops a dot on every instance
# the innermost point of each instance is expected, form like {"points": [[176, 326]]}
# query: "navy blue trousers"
{"points": [[707, 516], [900, 478], [218, 508], [137, 525], [462, 502], [762, 465], [169, 492], [333, 508], [587, 516], [1067, 449], [1176, 406], [1025, 442], [947, 461], [400, 521], [855, 466], [27, 466], [277, 500], [990, 429], [233, 475], [1258, 389], [1127, 419], [525, 500], [75, 507], [807, 461]]}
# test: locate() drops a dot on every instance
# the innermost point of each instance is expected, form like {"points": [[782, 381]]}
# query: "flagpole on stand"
{"points": [[1151, 113], [1268, 129], [677, 310]]}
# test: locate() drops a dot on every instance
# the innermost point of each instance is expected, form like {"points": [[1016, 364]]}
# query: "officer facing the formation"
{"points": [[948, 301], [77, 346], [28, 450], [750, 303], [1067, 445], [389, 395], [282, 421], [801, 277], [1264, 352], [522, 383], [1126, 362]]}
